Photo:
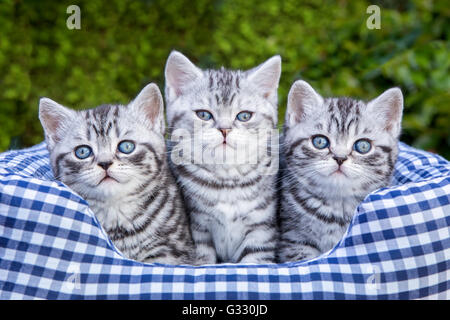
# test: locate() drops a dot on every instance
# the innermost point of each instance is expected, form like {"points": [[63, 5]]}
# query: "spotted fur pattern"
{"points": [[319, 196], [232, 206], [139, 206]]}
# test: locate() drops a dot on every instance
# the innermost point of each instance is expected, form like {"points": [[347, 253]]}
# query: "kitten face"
{"points": [[107, 151], [343, 145], [222, 109]]}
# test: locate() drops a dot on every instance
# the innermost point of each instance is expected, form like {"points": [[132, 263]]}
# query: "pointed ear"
{"points": [[180, 72], [387, 110], [150, 107], [303, 100], [266, 77], [54, 119]]}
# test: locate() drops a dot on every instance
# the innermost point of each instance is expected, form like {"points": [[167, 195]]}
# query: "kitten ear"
{"points": [[150, 107], [387, 110], [54, 119], [302, 101], [266, 77], [180, 72]]}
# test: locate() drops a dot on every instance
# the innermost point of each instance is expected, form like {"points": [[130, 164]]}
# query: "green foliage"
{"points": [[123, 45]]}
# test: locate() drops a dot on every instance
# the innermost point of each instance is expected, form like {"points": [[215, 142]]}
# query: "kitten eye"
{"points": [[320, 142], [126, 147], [83, 152], [362, 146], [244, 116], [204, 115]]}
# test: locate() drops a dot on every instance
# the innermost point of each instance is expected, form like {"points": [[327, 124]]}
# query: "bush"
{"points": [[123, 45]]}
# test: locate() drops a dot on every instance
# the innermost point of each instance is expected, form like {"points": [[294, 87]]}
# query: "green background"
{"points": [[123, 45]]}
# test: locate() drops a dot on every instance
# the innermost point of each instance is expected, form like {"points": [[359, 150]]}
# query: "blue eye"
{"points": [[204, 115], [320, 142], [82, 152], [244, 116], [126, 147], [362, 146]]}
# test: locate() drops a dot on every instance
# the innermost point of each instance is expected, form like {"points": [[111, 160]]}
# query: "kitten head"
{"points": [[344, 145], [108, 151], [227, 106]]}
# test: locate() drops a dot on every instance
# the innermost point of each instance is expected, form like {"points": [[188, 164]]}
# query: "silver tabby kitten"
{"points": [[114, 156], [232, 204], [335, 152]]}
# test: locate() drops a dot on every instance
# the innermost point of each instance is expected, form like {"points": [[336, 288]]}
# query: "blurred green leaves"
{"points": [[123, 45]]}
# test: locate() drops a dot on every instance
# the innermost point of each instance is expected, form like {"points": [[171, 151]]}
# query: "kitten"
{"points": [[231, 203], [114, 157], [335, 152]]}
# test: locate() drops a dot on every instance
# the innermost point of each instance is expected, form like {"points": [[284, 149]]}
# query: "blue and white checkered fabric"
{"points": [[52, 246]]}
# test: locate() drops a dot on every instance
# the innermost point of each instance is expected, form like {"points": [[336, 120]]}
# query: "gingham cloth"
{"points": [[53, 247]]}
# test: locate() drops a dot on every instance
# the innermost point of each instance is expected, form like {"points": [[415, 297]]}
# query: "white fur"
{"points": [[117, 203], [234, 208], [311, 178]]}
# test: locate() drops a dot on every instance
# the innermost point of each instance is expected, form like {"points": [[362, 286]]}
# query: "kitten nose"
{"points": [[225, 132], [105, 165], [340, 160]]}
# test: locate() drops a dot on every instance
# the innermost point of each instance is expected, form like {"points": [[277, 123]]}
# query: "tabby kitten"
{"points": [[114, 156], [335, 152], [232, 204]]}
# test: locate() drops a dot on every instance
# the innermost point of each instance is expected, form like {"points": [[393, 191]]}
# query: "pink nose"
{"points": [[105, 165], [225, 132], [339, 160]]}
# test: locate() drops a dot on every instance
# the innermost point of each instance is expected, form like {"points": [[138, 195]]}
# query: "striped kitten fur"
{"points": [[335, 152], [231, 205], [114, 156]]}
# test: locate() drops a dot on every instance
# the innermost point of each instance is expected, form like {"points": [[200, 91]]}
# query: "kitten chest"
{"points": [[228, 231]]}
